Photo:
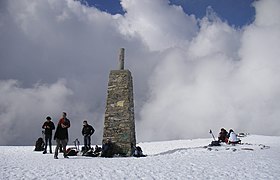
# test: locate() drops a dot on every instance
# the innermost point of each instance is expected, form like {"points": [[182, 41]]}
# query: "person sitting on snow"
{"points": [[107, 149], [233, 138], [223, 136], [229, 133]]}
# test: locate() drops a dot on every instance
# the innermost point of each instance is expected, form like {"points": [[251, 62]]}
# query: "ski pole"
{"points": [[212, 134]]}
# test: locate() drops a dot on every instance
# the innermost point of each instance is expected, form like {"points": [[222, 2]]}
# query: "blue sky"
{"points": [[235, 12]]}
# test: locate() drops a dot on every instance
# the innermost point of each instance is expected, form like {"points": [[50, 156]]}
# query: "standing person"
{"points": [[49, 127], [87, 131], [61, 135]]}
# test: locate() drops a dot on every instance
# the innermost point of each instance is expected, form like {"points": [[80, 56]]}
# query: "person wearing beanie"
{"points": [[48, 126]]}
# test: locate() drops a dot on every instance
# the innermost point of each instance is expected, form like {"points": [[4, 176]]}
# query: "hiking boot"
{"points": [[45, 152], [55, 157]]}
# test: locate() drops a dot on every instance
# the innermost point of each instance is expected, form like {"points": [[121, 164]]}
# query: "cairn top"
{"points": [[121, 59]]}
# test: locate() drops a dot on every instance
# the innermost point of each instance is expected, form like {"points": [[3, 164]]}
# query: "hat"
{"points": [[48, 118]]}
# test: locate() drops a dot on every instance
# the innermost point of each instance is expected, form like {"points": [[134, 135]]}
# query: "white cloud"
{"points": [[21, 109], [267, 13], [159, 24], [226, 78]]}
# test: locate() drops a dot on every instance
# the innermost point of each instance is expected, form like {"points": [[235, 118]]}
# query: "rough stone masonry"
{"points": [[119, 124]]}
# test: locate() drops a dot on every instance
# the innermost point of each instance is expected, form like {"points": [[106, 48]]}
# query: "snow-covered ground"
{"points": [[258, 158]]}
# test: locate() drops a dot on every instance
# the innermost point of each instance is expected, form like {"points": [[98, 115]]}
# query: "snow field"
{"points": [[258, 158]]}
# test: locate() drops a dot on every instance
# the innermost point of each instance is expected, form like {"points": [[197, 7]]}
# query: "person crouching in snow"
{"points": [[233, 138]]}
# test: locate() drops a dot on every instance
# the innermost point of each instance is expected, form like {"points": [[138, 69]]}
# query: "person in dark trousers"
{"points": [[49, 127], [87, 131], [61, 135]]}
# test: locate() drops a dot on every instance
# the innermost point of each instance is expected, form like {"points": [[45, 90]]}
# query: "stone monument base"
{"points": [[119, 124]]}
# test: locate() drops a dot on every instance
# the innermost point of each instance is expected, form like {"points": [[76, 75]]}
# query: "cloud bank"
{"points": [[190, 74]]}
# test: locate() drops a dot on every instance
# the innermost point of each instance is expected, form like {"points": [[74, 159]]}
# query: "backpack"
{"points": [[138, 152], [71, 152], [215, 143], [90, 153], [39, 145]]}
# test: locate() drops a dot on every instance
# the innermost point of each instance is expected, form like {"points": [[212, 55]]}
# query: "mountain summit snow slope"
{"points": [[258, 158]]}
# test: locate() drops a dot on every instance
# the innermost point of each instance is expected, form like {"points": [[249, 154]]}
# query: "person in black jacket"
{"points": [[107, 149], [87, 131], [49, 127], [61, 135]]}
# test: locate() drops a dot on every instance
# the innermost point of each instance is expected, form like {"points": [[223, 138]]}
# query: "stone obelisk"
{"points": [[119, 124]]}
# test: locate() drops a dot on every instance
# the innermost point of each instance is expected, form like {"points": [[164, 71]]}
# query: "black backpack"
{"points": [[138, 152], [71, 152], [90, 153], [215, 143], [39, 146]]}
